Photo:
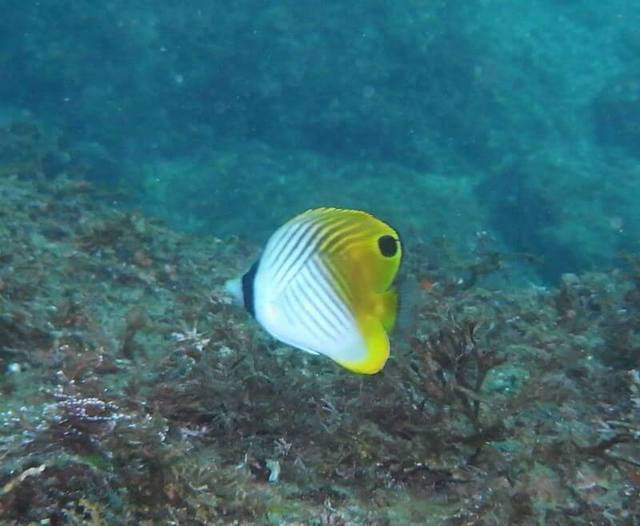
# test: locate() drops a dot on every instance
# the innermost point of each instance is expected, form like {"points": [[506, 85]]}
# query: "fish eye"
{"points": [[388, 246]]}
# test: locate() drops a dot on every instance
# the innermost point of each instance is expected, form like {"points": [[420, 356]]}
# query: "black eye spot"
{"points": [[388, 246]]}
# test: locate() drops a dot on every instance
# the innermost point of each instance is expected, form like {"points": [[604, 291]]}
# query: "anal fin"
{"points": [[377, 347]]}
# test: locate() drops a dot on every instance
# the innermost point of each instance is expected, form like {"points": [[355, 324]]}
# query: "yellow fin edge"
{"points": [[377, 343]]}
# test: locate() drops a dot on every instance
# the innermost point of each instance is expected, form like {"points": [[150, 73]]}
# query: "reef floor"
{"points": [[133, 393]]}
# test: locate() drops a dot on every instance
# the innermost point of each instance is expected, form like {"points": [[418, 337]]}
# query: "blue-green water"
{"points": [[517, 118], [502, 139]]}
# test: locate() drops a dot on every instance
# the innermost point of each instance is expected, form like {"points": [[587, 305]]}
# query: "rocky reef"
{"points": [[133, 393], [515, 118]]}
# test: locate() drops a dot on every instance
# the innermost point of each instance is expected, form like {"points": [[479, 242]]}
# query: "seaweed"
{"points": [[134, 392]]}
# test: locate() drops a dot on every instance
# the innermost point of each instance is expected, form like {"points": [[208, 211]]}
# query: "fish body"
{"points": [[324, 284]]}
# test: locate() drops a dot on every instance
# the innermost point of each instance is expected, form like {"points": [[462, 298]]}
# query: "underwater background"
{"points": [[149, 148]]}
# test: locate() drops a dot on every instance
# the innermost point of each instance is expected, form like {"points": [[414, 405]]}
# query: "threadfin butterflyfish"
{"points": [[324, 284]]}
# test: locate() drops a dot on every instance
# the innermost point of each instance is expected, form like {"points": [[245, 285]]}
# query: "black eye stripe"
{"points": [[388, 246]]}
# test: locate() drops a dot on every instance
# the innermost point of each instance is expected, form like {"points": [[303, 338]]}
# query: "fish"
{"points": [[324, 284]]}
